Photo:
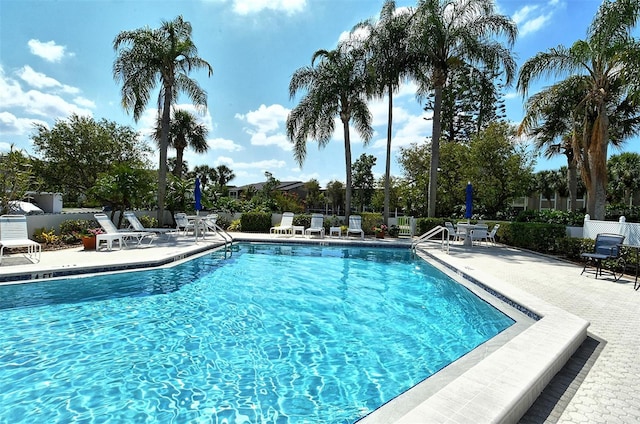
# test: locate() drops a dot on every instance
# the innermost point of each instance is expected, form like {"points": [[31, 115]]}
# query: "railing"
{"points": [[443, 231], [223, 233]]}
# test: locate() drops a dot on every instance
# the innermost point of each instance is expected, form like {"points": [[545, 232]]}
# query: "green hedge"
{"points": [[255, 222], [535, 236]]}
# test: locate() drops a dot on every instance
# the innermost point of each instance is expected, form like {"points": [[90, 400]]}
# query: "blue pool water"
{"points": [[273, 334]]}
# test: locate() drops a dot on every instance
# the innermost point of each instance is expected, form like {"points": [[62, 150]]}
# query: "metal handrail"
{"points": [[434, 231]]}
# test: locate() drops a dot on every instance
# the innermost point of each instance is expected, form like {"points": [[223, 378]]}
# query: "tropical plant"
{"points": [[165, 56], [335, 86], [184, 132], [624, 176], [15, 177], [608, 64], [390, 59], [446, 34]]}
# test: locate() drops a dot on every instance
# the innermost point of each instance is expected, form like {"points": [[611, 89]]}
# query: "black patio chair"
{"points": [[608, 247]]}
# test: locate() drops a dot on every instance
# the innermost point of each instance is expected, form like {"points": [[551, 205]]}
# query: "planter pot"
{"points": [[89, 243], [380, 234]]}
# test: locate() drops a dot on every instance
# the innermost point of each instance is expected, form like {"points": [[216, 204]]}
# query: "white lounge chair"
{"points": [[286, 225], [355, 226], [453, 235], [14, 233], [317, 225], [112, 233], [136, 225]]}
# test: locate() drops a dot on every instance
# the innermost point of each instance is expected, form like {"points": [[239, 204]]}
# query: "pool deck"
{"points": [[598, 384]]}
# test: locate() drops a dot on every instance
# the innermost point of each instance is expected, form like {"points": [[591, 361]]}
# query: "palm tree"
{"points": [[147, 58], [184, 131], [225, 174], [450, 33], [609, 61], [550, 119], [390, 59], [335, 86]]}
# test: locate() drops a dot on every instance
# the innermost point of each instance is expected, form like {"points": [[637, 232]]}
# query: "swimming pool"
{"points": [[272, 334]]}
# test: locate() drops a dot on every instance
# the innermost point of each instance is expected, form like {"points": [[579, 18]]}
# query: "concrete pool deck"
{"points": [[601, 387]]}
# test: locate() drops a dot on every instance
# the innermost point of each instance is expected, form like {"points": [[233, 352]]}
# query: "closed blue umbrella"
{"points": [[468, 205], [197, 195]]}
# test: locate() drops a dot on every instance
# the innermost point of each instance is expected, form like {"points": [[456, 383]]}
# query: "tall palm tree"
{"points": [[550, 119], [184, 132], [447, 34], [609, 61], [147, 58], [388, 46], [335, 86]]}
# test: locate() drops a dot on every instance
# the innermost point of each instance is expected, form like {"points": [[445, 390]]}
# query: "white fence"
{"points": [[630, 230]]}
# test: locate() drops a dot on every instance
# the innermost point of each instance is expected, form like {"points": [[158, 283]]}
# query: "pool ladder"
{"points": [[228, 239], [443, 231]]}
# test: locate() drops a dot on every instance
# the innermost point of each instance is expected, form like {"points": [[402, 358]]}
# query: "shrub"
{"points": [[533, 236], [255, 222], [426, 224], [302, 219], [236, 225], [223, 222], [71, 227], [41, 235], [148, 221], [370, 220]]}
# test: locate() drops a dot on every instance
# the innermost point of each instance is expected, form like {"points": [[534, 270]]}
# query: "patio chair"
{"points": [[136, 225], [286, 225], [113, 234], [608, 247], [492, 234], [355, 226], [453, 235], [14, 233], [479, 233], [183, 224], [317, 225]]}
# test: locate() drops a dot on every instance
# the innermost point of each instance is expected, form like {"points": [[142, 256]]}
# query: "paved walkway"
{"points": [[601, 384]]}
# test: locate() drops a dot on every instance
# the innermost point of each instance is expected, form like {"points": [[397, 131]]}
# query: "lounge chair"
{"points": [[317, 225], [112, 233], [136, 225], [607, 248], [286, 225], [14, 233], [355, 226]]}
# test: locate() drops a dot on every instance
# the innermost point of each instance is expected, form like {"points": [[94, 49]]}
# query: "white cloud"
{"points": [[11, 124], [534, 25], [260, 166], [266, 126], [415, 129], [49, 50], [531, 19], [289, 7], [224, 144], [84, 102]]}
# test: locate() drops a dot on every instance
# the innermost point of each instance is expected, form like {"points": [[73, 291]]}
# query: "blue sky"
{"points": [[56, 58]]}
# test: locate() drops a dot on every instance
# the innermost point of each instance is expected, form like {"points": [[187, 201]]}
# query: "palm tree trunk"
{"points": [[572, 175], [164, 144], [347, 162], [435, 151], [387, 174]]}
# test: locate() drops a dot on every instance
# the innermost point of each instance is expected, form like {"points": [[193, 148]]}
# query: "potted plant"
{"points": [[379, 230], [88, 237]]}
